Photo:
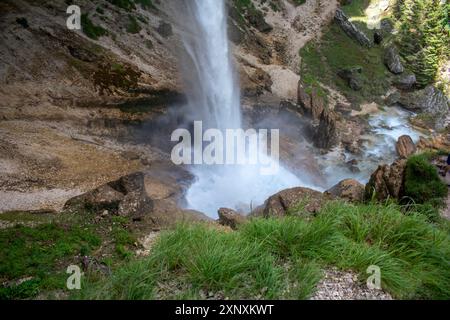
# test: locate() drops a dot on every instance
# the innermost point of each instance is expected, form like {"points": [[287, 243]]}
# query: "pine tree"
{"points": [[424, 36]]}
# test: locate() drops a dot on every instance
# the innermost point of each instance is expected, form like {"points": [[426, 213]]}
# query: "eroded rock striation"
{"points": [[351, 30], [387, 181]]}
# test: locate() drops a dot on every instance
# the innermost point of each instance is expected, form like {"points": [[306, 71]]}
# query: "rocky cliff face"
{"points": [[72, 97]]}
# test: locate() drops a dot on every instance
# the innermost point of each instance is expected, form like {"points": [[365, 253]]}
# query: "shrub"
{"points": [[422, 182], [90, 29], [133, 25]]}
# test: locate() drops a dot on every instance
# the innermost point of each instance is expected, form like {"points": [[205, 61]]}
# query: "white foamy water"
{"points": [[388, 126], [379, 148], [214, 97]]}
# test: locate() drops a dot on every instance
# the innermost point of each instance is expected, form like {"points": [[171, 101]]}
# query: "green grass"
{"points": [[422, 181], [283, 258], [37, 252], [323, 60]]}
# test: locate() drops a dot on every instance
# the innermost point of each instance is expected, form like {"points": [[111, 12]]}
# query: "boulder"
{"points": [[353, 77], [165, 29], [429, 100], [284, 202], [392, 60], [405, 146], [393, 98], [352, 165], [124, 197], [326, 134], [349, 189], [406, 82], [311, 104], [351, 30], [98, 200], [230, 218], [387, 181], [152, 197], [424, 144]]}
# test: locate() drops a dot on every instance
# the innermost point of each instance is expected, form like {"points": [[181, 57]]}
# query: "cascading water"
{"points": [[213, 93], [214, 98]]}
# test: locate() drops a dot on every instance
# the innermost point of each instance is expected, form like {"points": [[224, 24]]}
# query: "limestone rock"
{"points": [[281, 203], [406, 82], [351, 30], [230, 218], [326, 134], [405, 146], [311, 104], [125, 197], [348, 189], [387, 181], [151, 197], [392, 60], [353, 77], [430, 100]]}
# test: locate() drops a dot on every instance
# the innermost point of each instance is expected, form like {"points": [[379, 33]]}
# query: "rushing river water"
{"points": [[379, 147]]}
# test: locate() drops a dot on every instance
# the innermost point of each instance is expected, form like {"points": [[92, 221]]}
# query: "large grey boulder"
{"points": [[392, 60], [310, 102], [351, 30], [288, 201], [430, 100], [125, 196], [152, 197], [325, 135], [406, 82]]}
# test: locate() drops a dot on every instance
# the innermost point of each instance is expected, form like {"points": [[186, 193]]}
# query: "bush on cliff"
{"points": [[422, 182]]}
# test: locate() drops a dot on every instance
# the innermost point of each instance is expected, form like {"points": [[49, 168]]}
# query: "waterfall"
{"points": [[214, 98], [212, 88]]}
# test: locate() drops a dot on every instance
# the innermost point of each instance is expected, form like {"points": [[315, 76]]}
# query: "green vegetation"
{"points": [[90, 29], [37, 252], [265, 259], [283, 258], [124, 4], [37, 249], [336, 51], [422, 182], [424, 36], [133, 25]]}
